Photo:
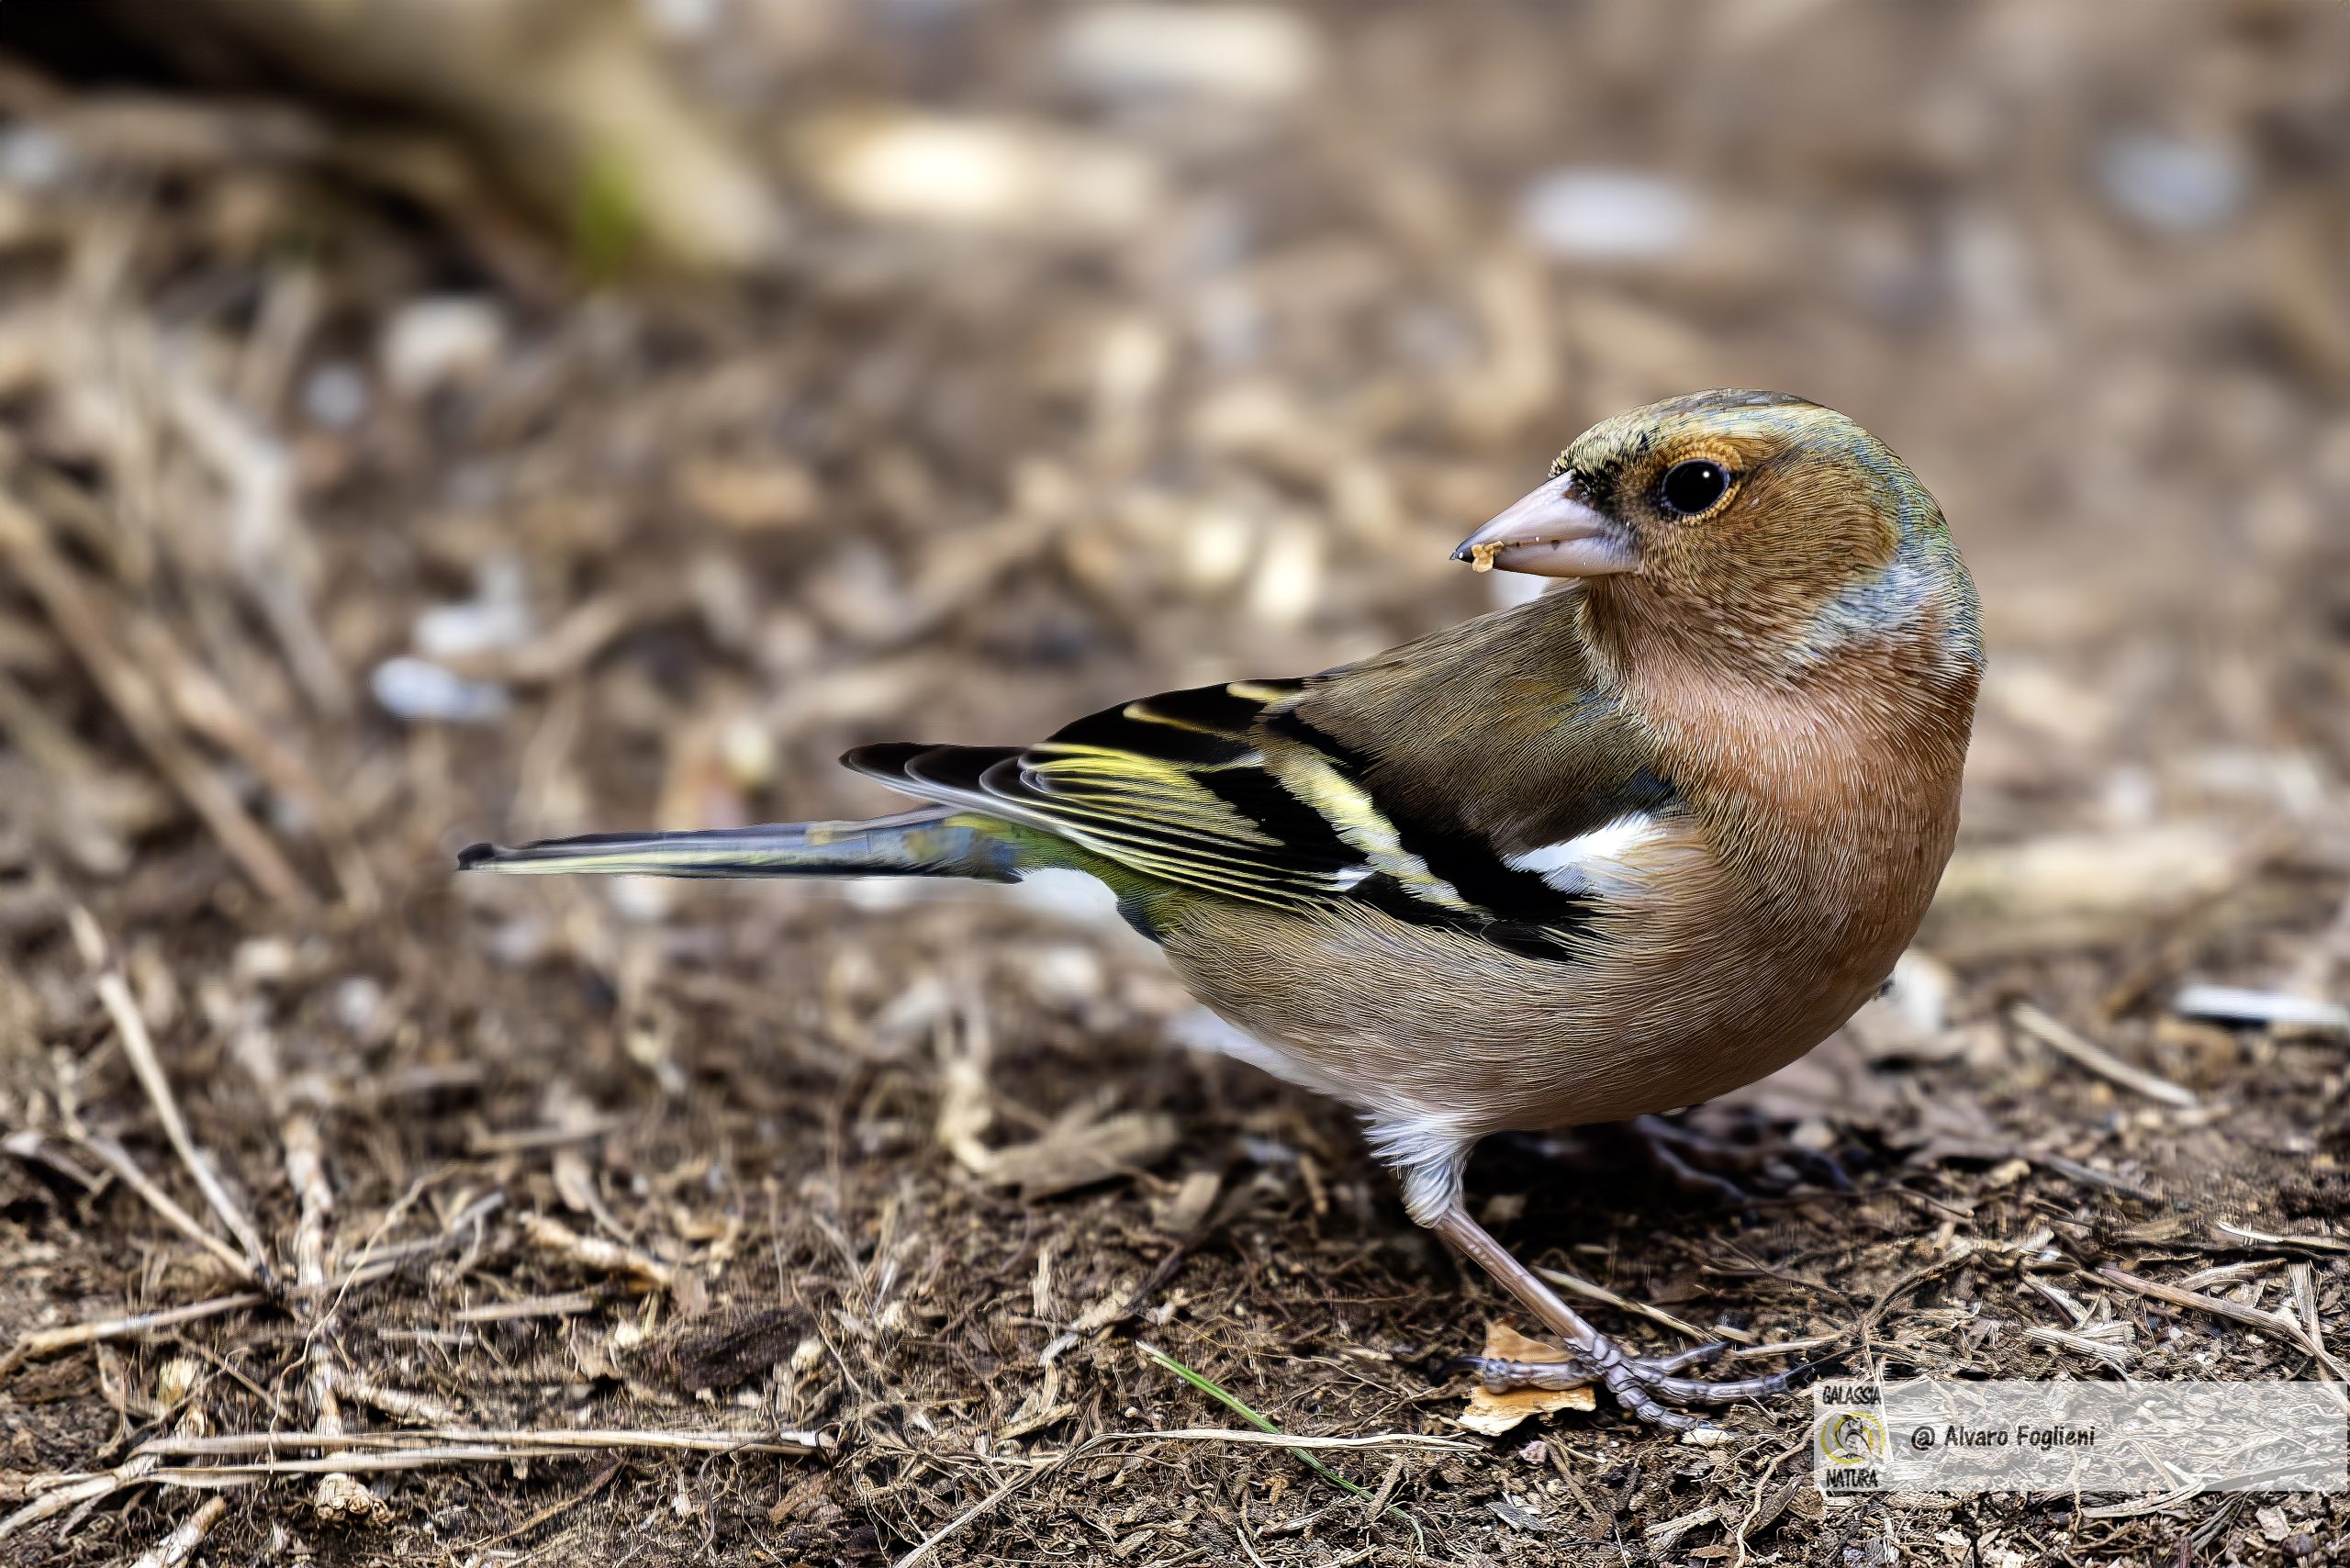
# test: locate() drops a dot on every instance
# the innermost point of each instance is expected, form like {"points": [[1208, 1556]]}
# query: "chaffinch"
{"points": [[1623, 847]]}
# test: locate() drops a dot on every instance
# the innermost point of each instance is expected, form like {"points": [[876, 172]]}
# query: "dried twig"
{"points": [[88, 627], [2236, 1004], [400, 1404], [180, 1545], [2075, 1312], [2304, 1281], [369, 1452], [1045, 1465], [340, 1493], [2283, 1326], [373, 1263], [26, 1143], [1601, 1293], [1293, 1440], [340, 1496], [2115, 1353], [116, 1158], [2056, 1036], [150, 658], [49, 1342], [1786, 1347], [596, 1253], [266, 540], [554, 1439], [306, 1173], [565, 1304], [2090, 1176], [54, 1495], [561, 1505], [522, 1140], [2223, 1274], [114, 994], [203, 705], [1763, 1510], [2326, 1244], [1660, 1536]]}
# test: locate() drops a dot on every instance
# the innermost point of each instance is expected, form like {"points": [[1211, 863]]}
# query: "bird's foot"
{"points": [[1645, 1385], [1648, 1386], [1733, 1171]]}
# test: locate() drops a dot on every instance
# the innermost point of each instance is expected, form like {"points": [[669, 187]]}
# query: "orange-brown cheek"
{"points": [[1734, 569]]}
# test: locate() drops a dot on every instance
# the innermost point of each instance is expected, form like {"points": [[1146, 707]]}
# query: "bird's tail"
{"points": [[933, 843]]}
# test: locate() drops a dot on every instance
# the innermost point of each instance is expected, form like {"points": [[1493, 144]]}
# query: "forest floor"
{"points": [[486, 1222]]}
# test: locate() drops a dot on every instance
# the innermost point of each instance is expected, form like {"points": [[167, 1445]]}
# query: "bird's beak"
{"points": [[1551, 533]]}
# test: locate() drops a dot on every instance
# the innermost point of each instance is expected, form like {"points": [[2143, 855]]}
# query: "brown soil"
{"points": [[920, 1174]]}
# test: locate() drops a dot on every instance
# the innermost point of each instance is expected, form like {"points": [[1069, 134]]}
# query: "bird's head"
{"points": [[1753, 525]]}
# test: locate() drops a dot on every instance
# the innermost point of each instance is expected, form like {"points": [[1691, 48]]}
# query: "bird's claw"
{"points": [[1647, 1387]]}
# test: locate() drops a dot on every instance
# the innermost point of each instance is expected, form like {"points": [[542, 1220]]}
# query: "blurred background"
{"points": [[449, 420]]}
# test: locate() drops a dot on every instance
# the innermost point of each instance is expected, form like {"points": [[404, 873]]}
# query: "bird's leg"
{"points": [[1641, 1384], [1431, 1168]]}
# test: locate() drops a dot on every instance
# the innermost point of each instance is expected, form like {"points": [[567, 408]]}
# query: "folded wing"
{"points": [[1240, 790], [1175, 787]]}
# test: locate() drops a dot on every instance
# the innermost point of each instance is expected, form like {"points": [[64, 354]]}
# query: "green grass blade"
{"points": [[1239, 1406]]}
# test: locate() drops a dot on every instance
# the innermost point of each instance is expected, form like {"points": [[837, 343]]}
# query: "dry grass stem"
{"points": [[553, 1510], [2114, 1352], [344, 520], [2239, 1004], [2052, 1032], [2304, 1283], [553, 1440], [114, 994], [370, 1453], [180, 1545], [49, 1342], [1577, 1285], [375, 1262], [2323, 1244], [1766, 1504], [116, 1158], [26, 1143], [565, 1304], [267, 544], [928, 1547], [593, 1253], [89, 628], [400, 1404], [203, 705], [50, 1496], [1660, 1536], [1785, 1346], [340, 1495], [2282, 1324], [2090, 1176]]}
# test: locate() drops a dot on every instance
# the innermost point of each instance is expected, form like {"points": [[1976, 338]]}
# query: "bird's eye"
{"points": [[1692, 487]]}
